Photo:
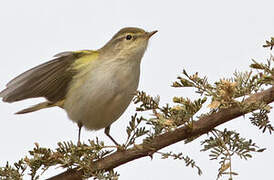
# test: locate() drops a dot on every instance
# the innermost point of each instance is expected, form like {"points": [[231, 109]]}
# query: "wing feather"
{"points": [[49, 80]]}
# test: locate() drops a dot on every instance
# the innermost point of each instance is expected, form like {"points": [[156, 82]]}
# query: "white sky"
{"points": [[213, 37]]}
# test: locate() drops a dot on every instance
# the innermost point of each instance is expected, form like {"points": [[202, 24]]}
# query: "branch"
{"points": [[203, 125]]}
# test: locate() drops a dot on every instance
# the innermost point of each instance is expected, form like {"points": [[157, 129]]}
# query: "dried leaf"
{"points": [[214, 104], [224, 167]]}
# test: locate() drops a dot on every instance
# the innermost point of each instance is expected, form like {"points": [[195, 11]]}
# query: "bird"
{"points": [[94, 87]]}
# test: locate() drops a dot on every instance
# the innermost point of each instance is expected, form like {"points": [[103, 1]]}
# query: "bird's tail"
{"points": [[37, 107]]}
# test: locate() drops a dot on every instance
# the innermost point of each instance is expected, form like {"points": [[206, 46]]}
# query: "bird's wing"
{"points": [[49, 80]]}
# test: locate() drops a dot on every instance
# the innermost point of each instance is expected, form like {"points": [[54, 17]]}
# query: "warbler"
{"points": [[94, 87]]}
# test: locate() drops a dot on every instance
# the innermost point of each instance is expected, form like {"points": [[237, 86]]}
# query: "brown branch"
{"points": [[203, 125]]}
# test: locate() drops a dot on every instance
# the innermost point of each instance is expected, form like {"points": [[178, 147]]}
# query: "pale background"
{"points": [[213, 37]]}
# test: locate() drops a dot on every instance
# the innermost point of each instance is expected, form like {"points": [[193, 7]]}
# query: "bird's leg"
{"points": [[107, 129], [79, 133]]}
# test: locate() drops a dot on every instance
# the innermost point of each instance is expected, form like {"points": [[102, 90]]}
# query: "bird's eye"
{"points": [[128, 37]]}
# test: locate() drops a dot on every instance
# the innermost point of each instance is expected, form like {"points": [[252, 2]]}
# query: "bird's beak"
{"points": [[149, 34]]}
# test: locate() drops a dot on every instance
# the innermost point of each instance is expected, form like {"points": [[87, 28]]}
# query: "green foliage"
{"points": [[67, 155], [167, 118], [269, 43], [224, 92], [13, 173], [224, 144], [200, 84], [261, 120], [109, 175], [146, 102], [133, 131], [188, 161]]}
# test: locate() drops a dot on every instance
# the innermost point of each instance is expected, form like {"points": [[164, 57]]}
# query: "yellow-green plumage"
{"points": [[93, 87], [85, 60]]}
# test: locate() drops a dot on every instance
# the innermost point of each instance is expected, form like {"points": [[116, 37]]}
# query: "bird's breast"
{"points": [[100, 96]]}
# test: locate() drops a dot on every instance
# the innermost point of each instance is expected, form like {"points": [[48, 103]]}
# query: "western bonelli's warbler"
{"points": [[94, 87]]}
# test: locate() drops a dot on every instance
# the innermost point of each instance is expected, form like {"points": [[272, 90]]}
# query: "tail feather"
{"points": [[37, 107]]}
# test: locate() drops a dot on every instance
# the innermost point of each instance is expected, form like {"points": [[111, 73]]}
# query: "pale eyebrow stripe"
{"points": [[123, 35]]}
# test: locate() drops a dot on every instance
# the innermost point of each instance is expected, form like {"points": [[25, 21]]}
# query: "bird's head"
{"points": [[128, 42]]}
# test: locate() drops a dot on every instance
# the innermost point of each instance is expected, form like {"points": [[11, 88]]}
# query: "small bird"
{"points": [[94, 87]]}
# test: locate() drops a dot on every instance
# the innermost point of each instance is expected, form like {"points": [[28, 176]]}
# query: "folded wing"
{"points": [[49, 80]]}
